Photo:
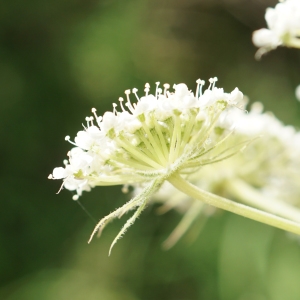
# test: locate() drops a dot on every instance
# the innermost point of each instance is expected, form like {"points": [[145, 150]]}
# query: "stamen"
{"points": [[91, 121], [128, 103], [197, 89], [61, 187], [87, 121], [134, 90], [75, 197], [211, 81], [159, 91], [130, 107], [98, 119], [115, 110], [215, 79], [156, 90], [147, 88], [200, 84], [121, 104], [67, 138], [166, 87]]}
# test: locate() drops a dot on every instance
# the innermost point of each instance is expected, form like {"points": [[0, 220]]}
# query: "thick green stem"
{"points": [[249, 195], [181, 184]]}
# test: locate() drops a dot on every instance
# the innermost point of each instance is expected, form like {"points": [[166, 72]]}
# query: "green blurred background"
{"points": [[58, 59]]}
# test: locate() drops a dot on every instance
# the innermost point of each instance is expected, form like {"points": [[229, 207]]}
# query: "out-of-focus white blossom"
{"points": [[283, 27], [297, 92]]}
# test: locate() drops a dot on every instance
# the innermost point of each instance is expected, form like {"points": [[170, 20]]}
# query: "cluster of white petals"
{"points": [[283, 27], [152, 137], [150, 141]]}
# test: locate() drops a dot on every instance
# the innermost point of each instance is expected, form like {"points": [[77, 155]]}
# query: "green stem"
{"points": [[178, 182], [249, 195]]}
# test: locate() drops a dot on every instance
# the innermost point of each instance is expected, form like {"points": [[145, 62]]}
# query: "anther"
{"points": [[121, 104], [75, 197]]}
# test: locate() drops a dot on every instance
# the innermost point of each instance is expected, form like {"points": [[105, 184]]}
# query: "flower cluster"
{"points": [[152, 137], [172, 136], [148, 141], [283, 27], [265, 175]]}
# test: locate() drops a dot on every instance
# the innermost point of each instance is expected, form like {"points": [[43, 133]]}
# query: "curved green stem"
{"points": [[184, 186], [249, 195]]}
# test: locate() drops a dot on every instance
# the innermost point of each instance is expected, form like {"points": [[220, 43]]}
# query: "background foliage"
{"points": [[60, 58]]}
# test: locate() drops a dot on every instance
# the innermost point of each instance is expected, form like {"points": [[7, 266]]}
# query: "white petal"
{"points": [[59, 173]]}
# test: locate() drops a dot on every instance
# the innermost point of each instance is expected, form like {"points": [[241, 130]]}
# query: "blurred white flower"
{"points": [[297, 92], [283, 27]]}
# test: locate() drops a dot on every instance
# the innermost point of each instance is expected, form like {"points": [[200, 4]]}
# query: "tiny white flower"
{"points": [[283, 27]]}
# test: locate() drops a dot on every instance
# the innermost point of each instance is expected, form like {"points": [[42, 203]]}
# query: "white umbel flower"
{"points": [[283, 27], [265, 175], [154, 137], [160, 137]]}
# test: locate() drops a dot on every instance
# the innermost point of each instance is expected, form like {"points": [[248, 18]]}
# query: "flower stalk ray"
{"points": [[179, 183]]}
